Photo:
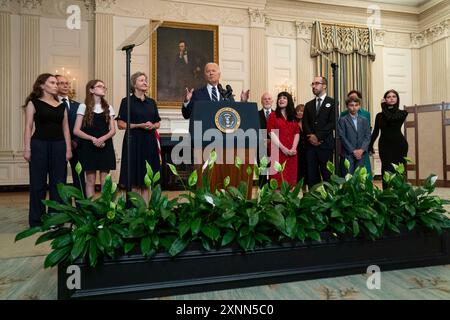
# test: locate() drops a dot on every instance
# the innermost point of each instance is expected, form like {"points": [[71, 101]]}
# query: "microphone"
{"points": [[229, 92], [222, 91]]}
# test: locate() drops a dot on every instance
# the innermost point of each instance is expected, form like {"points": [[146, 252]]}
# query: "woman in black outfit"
{"points": [[392, 146], [49, 149], [144, 121]]}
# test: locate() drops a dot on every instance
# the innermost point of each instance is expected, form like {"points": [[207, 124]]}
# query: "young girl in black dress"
{"points": [[95, 125]]}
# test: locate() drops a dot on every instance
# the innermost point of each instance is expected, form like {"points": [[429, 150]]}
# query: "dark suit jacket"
{"points": [[351, 137], [200, 94], [72, 116], [321, 124], [262, 119]]}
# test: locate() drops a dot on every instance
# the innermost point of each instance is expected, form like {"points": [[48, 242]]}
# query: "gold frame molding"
{"points": [[154, 56]]}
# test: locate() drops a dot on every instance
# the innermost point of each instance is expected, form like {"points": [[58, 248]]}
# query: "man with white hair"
{"points": [[209, 92]]}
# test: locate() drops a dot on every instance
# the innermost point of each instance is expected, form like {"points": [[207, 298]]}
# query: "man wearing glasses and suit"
{"points": [[318, 126]]}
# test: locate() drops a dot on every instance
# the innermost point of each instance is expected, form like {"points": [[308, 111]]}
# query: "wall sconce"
{"points": [[288, 87], [66, 73]]}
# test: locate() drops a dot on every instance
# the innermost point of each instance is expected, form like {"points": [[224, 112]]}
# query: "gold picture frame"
{"points": [[172, 72]]}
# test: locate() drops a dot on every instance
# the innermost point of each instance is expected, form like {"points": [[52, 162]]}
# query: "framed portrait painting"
{"points": [[179, 54]]}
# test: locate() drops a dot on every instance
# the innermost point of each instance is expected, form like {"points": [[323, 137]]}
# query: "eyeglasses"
{"points": [[63, 83], [101, 86], [315, 83]]}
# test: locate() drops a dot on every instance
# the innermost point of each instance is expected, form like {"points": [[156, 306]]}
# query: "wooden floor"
{"points": [[22, 275]]}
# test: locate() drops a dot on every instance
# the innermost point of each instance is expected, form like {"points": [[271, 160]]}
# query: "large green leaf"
{"points": [[195, 225], [411, 210], [149, 169], [106, 189], [177, 246], [228, 237], [56, 256], [355, 228], [78, 247], [146, 244], [314, 235], [211, 232], [52, 235], [57, 219], [253, 219], [291, 222], [105, 238], [371, 227], [276, 218], [62, 241], [411, 224], [27, 233], [183, 228], [129, 246], [67, 192], [247, 243]]}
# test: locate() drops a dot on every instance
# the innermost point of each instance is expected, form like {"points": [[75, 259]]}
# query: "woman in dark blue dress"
{"points": [[144, 121]]}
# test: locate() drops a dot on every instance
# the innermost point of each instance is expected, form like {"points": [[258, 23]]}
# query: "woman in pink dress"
{"points": [[284, 133]]}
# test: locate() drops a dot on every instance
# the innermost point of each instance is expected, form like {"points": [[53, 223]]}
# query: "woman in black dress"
{"points": [[95, 126], [144, 121], [392, 146], [49, 149]]}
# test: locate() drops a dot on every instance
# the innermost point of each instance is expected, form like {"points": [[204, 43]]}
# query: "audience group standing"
{"points": [[65, 130]]}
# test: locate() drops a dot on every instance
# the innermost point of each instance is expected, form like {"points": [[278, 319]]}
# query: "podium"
{"points": [[231, 129]]}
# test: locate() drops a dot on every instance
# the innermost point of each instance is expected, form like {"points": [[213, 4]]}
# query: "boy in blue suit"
{"points": [[354, 132]]}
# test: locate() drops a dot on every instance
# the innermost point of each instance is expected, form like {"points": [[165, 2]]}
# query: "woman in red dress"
{"points": [[284, 133]]}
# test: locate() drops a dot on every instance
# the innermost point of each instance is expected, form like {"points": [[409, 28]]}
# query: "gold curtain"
{"points": [[351, 48]]}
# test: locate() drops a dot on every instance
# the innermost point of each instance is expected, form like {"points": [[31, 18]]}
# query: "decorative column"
{"points": [[304, 62], [29, 49], [5, 78], [104, 50], [258, 54], [417, 40]]}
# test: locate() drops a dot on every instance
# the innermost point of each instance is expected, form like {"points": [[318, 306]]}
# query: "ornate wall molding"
{"points": [[31, 7], [378, 36], [5, 5], [105, 6], [282, 29], [434, 33], [257, 18], [303, 29], [181, 12]]}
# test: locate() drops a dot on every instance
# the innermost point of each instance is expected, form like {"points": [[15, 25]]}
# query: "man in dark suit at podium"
{"points": [[210, 92], [318, 126], [72, 107]]}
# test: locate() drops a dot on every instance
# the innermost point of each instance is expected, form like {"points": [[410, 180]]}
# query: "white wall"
{"points": [[281, 63], [62, 47], [398, 73], [234, 58]]}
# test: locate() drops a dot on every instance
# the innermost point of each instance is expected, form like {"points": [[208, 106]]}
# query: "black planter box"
{"points": [[133, 277]]}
